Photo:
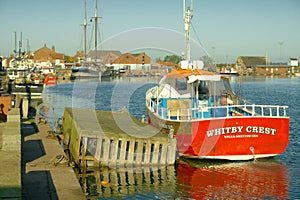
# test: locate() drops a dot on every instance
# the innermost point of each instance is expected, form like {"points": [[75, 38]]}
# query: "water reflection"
{"points": [[139, 182], [189, 179], [245, 180]]}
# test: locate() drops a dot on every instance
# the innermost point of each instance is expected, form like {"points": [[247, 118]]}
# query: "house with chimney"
{"points": [[47, 55]]}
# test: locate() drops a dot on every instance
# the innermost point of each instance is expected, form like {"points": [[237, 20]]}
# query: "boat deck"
{"points": [[184, 109]]}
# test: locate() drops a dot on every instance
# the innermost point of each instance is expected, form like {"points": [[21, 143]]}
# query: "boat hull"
{"points": [[25, 88], [235, 138]]}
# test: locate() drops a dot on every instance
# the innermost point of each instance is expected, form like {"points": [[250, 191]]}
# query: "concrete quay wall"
{"points": [[11, 135], [10, 157], [30, 162]]}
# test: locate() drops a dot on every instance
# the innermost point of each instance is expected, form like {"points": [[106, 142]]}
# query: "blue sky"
{"points": [[224, 28]]}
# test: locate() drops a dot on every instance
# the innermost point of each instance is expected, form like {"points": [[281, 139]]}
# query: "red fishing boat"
{"points": [[50, 80], [210, 121]]}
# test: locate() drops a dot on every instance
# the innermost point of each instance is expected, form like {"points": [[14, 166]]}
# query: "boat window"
{"points": [[203, 90], [217, 89], [181, 84], [227, 86]]}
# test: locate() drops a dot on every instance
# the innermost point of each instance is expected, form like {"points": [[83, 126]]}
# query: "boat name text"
{"points": [[241, 129]]}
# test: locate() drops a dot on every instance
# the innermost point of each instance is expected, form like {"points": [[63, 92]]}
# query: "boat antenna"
{"points": [[187, 16]]}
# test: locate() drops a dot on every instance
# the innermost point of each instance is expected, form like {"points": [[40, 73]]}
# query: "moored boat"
{"points": [[50, 80], [229, 72], [21, 77], [20, 81], [200, 109], [210, 121]]}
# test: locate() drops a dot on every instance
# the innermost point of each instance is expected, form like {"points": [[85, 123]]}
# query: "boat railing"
{"points": [[204, 112]]}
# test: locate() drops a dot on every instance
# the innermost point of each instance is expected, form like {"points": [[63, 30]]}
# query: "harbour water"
{"points": [[276, 178]]}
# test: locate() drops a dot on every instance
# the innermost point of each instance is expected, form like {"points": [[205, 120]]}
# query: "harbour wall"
{"points": [[10, 167], [32, 164]]}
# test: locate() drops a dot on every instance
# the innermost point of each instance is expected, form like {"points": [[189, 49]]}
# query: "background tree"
{"points": [[68, 59], [172, 58]]}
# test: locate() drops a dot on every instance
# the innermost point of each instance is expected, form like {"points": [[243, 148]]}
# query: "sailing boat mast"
{"points": [[96, 17], [84, 28], [15, 51], [18, 53], [187, 16]]}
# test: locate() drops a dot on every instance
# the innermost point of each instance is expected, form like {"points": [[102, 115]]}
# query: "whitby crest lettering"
{"points": [[236, 130]]}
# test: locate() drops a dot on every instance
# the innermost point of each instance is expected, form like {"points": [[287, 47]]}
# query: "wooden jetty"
{"points": [[95, 137]]}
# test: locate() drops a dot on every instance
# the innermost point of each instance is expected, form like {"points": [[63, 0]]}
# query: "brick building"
{"points": [[46, 54], [247, 64], [272, 70], [139, 61], [104, 56], [163, 65], [79, 55], [259, 65]]}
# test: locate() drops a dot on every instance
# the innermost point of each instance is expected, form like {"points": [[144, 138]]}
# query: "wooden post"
{"points": [[106, 150]]}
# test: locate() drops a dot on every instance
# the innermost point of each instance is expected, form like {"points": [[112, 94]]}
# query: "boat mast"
{"points": [[96, 17], [18, 53], [15, 51], [187, 16], [28, 47], [84, 28], [20, 46]]}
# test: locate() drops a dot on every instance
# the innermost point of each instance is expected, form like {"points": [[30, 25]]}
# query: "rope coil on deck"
{"points": [[59, 159]]}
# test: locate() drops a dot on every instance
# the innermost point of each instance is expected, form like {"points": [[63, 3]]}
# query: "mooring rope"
{"points": [[252, 151]]}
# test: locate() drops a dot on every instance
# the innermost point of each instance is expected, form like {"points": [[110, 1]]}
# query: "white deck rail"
{"points": [[203, 112]]}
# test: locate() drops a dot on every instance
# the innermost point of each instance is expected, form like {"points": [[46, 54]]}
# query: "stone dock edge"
{"points": [[29, 167]]}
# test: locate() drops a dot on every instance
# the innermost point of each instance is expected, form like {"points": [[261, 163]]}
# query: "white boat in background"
{"points": [[44, 68], [14, 74], [230, 71], [84, 72]]}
